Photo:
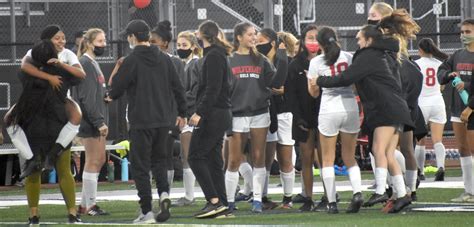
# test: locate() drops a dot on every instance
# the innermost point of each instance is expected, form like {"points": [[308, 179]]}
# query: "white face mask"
{"points": [[131, 46]]}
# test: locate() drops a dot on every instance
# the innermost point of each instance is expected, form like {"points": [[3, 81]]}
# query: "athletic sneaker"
{"points": [[400, 203], [375, 198], [356, 203], [33, 221], [322, 205], [268, 204], [388, 205], [257, 206], [96, 211], [332, 208], [148, 218], [420, 176], [243, 197], [210, 210], [183, 201], [308, 205], [164, 210], [299, 198], [225, 214], [439, 176], [71, 219], [286, 203], [464, 197], [231, 206], [413, 196], [373, 186]]}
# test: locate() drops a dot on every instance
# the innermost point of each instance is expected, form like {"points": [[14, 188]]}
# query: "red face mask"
{"points": [[312, 47]]}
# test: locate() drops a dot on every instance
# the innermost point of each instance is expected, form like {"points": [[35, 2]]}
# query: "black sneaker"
{"points": [[322, 205], [308, 205], [400, 203], [164, 210], [71, 219], [413, 196], [33, 220], [374, 199], [439, 176], [96, 211], [332, 208], [268, 204], [211, 210], [420, 176], [243, 197], [356, 203], [418, 181], [299, 199], [389, 192], [286, 203], [31, 165], [224, 214]]}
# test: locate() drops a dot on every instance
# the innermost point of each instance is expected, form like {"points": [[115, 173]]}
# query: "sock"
{"points": [[259, 175], [466, 167], [188, 182], [380, 180], [420, 158], [401, 160], [246, 171], [231, 181], [372, 162], [288, 181], [329, 179], [399, 185], [265, 184], [355, 178], [89, 188], [440, 153], [67, 134], [18, 138], [410, 179], [170, 177], [164, 195]]}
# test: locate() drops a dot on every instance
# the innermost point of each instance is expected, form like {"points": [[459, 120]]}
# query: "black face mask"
{"points": [[264, 48], [183, 54], [373, 22], [98, 51]]}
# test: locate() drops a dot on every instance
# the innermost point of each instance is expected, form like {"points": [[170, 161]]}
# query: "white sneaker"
{"points": [[464, 197], [148, 218]]}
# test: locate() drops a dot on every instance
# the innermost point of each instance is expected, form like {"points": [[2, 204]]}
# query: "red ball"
{"points": [[140, 4]]}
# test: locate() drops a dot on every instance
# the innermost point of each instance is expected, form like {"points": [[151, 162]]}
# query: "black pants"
{"points": [[205, 153], [148, 152]]}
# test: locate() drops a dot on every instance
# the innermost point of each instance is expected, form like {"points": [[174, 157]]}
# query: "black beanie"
{"points": [[49, 31], [163, 30]]}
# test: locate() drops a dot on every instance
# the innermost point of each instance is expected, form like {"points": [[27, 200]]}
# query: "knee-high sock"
{"points": [[410, 179], [231, 182], [372, 162], [329, 179], [188, 182], [420, 158], [265, 184], [466, 167], [288, 181], [380, 180], [246, 171], [170, 177], [355, 178], [18, 138], [401, 160], [66, 180], [67, 134], [89, 189], [259, 175], [32, 188], [440, 153], [399, 185]]}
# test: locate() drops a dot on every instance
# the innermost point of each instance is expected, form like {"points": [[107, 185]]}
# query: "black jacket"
{"points": [[151, 82], [375, 72], [193, 72], [213, 89]]}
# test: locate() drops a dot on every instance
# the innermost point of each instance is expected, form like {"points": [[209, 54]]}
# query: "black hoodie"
{"points": [[375, 72], [151, 82]]}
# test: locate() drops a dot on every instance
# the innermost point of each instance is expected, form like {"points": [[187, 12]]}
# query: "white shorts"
{"points": [[331, 123], [187, 128], [244, 124], [456, 119], [283, 135], [435, 114]]}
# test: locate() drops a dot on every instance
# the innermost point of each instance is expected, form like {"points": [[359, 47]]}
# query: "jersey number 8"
{"points": [[430, 77]]}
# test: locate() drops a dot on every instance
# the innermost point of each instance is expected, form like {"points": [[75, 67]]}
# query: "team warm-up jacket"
{"points": [[213, 86], [151, 82], [193, 71], [375, 72]]}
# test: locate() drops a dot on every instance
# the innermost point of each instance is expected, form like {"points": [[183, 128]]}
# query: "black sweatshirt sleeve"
{"points": [[87, 96], [292, 93], [124, 77], [282, 69], [269, 73], [214, 74], [177, 89], [445, 69], [355, 72], [192, 86]]}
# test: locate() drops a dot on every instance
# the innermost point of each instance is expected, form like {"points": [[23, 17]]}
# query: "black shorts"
{"points": [[470, 122]]}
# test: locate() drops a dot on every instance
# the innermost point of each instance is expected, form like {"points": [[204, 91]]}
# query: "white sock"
{"points": [[170, 177], [399, 185], [246, 171], [67, 134], [401, 160], [466, 167], [380, 180], [372, 162], [18, 138], [288, 181], [265, 183], [188, 182], [89, 188], [440, 153], [420, 158], [355, 178], [410, 178], [259, 175], [164, 195], [231, 182], [329, 179]]}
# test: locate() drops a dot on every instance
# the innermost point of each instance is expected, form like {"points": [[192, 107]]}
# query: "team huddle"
{"points": [[234, 108]]}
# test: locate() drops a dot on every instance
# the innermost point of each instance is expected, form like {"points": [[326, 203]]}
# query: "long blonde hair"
{"points": [[193, 40], [383, 8], [290, 42], [89, 37], [401, 26]]}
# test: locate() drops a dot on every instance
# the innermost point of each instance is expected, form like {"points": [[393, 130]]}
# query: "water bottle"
{"points": [[52, 176], [464, 95], [124, 169], [110, 171]]}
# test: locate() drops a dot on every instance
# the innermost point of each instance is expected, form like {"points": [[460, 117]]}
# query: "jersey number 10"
{"points": [[340, 67], [430, 79]]}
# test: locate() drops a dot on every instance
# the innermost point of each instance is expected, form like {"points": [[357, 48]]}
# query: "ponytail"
{"points": [[210, 31], [328, 40], [428, 46], [89, 37]]}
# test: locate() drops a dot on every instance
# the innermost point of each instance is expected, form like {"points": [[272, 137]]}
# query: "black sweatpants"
{"points": [[205, 153], [148, 152]]}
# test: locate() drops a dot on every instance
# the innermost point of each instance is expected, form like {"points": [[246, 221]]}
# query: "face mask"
{"points": [[312, 47], [373, 22], [98, 51], [264, 48], [467, 39], [183, 54], [131, 46]]}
